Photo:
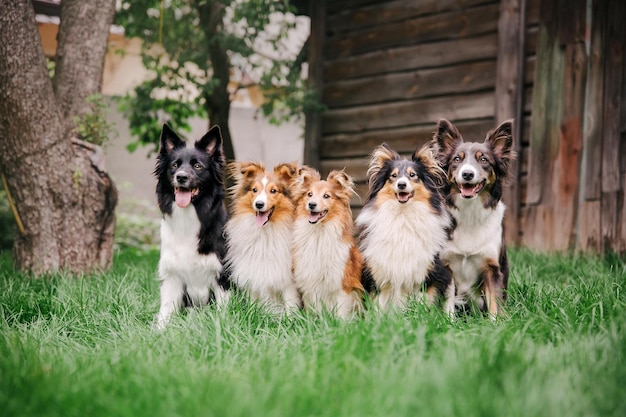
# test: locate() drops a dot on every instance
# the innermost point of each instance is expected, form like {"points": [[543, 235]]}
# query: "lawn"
{"points": [[87, 347]]}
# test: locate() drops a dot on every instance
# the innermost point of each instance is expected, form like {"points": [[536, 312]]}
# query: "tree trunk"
{"points": [[82, 44], [64, 201], [217, 101]]}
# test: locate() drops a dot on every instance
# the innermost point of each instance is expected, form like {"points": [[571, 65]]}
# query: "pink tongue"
{"points": [[262, 217], [467, 190], [183, 198], [403, 197], [314, 217]]}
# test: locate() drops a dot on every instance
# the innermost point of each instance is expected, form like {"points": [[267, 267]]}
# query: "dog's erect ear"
{"points": [[445, 138], [427, 157], [241, 170], [500, 140], [307, 176], [169, 140], [286, 172], [211, 142], [343, 179], [381, 155]]}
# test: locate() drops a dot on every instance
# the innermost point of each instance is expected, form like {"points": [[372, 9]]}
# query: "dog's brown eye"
{"points": [[394, 175], [254, 190], [484, 160], [197, 166], [174, 165], [326, 195], [309, 194], [273, 191], [456, 159], [412, 174]]}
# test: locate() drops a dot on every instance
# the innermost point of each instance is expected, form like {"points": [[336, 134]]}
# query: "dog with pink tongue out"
{"points": [[259, 234], [190, 192]]}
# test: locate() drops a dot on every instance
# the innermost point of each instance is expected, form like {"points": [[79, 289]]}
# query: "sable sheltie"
{"points": [[476, 253], [190, 192], [259, 234], [404, 226], [326, 262]]}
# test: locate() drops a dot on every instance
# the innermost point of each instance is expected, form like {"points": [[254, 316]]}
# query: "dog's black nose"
{"points": [[312, 205], [259, 205], [467, 175], [401, 185], [182, 178]]}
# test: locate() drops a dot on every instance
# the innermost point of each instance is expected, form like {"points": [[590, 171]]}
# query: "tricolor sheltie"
{"points": [[476, 173], [326, 262], [404, 226], [190, 192], [259, 234]]}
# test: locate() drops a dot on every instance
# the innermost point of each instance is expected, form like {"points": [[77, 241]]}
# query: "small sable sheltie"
{"points": [[259, 234], [190, 192], [327, 265], [476, 253], [404, 226]]}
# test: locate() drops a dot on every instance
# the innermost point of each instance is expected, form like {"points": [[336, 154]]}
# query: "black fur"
{"points": [[205, 165]]}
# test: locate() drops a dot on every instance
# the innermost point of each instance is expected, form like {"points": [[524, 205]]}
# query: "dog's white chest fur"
{"points": [[182, 270], [476, 238], [320, 257], [259, 259], [401, 242], [179, 248]]}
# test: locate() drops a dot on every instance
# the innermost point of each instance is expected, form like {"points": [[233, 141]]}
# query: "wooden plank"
{"points": [[543, 135], [363, 118], [403, 140], [613, 74], [313, 127], [592, 157], [589, 233], [532, 12], [568, 163], [423, 55], [354, 19], [509, 93], [458, 79], [609, 220], [335, 7], [450, 25]]}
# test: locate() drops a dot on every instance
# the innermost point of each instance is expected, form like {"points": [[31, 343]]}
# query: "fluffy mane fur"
{"points": [[327, 264], [403, 227], [259, 234]]}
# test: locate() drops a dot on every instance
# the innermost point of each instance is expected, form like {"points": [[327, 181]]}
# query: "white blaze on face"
{"points": [[467, 168], [260, 202]]}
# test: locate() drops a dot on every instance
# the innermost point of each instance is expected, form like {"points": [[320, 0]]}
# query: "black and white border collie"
{"points": [[404, 225], [476, 253], [190, 192]]}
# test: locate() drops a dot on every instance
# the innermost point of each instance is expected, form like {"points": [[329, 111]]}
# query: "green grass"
{"points": [[86, 347]]}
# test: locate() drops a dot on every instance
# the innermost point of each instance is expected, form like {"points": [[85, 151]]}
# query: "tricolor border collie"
{"points": [[259, 234], [404, 225], [190, 193], [476, 253], [327, 264]]}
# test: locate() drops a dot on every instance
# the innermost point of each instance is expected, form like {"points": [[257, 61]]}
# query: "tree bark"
{"points": [[217, 101], [82, 44], [64, 200]]}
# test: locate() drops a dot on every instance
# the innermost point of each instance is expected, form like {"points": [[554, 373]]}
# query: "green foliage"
{"points": [[87, 347], [177, 52], [93, 126]]}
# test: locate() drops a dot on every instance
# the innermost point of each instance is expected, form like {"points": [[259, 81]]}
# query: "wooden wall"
{"points": [[388, 70]]}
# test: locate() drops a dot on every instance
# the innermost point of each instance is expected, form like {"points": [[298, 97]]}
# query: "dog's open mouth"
{"points": [[184, 196], [316, 216], [263, 217], [471, 190], [403, 197]]}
